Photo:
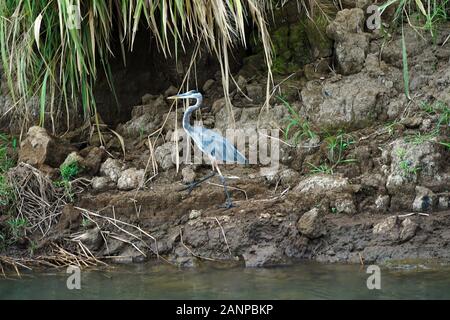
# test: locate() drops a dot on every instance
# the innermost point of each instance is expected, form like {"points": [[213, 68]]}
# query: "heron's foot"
{"points": [[228, 205], [189, 187]]}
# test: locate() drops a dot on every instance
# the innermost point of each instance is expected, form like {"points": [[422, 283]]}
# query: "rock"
{"points": [[195, 214], [128, 255], [262, 255], [70, 219], [131, 179], [92, 159], [407, 159], [443, 203], [188, 174], [145, 119], [310, 224], [321, 183], [382, 203], [241, 81], [147, 98], [425, 199], [207, 85], [270, 173], [351, 43], [163, 155], [39, 148], [288, 177], [218, 105], [111, 168], [408, 230], [355, 101], [92, 238], [171, 91], [102, 184], [73, 157], [255, 92], [344, 204], [386, 226]]}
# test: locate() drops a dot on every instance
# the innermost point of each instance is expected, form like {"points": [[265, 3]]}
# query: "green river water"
{"points": [[301, 281]]}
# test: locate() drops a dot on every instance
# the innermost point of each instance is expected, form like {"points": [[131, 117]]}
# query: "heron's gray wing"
{"points": [[213, 144]]}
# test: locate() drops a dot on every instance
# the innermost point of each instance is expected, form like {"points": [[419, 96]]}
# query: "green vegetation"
{"points": [[68, 172], [406, 165], [301, 127], [17, 228], [438, 108], [428, 15], [54, 50], [336, 146], [6, 162], [323, 168], [419, 138], [445, 144]]}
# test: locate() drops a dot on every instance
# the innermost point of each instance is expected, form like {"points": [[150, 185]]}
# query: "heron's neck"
{"points": [[188, 113]]}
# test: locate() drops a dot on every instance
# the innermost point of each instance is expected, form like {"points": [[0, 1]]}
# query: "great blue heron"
{"points": [[216, 147]]}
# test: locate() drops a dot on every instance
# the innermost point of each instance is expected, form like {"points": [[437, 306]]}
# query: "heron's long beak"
{"points": [[173, 97]]}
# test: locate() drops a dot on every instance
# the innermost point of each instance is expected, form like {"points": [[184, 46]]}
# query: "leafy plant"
{"points": [[17, 228], [68, 172], [301, 127], [323, 168], [337, 145]]}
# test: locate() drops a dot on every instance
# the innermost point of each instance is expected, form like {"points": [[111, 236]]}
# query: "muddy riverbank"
{"points": [[363, 173]]}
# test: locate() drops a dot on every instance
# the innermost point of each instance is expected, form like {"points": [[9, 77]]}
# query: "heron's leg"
{"points": [[194, 184], [228, 203]]}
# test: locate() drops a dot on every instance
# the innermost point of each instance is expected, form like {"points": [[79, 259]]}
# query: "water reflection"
{"points": [[304, 281]]}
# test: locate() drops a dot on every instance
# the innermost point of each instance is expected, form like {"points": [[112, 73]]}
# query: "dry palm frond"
{"points": [[51, 50]]}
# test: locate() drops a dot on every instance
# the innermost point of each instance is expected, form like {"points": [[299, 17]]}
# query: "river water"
{"points": [[301, 281]]}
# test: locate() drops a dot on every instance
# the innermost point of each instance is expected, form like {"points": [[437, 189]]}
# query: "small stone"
{"points": [[40, 148], [147, 98], [443, 203], [264, 216], [270, 173], [241, 81], [408, 230], [93, 157], [345, 205], [424, 200], [111, 168], [255, 92], [73, 157], [102, 183], [170, 91], [195, 214], [188, 175], [131, 179], [310, 224], [163, 155], [218, 105], [382, 202], [386, 226], [208, 84], [91, 238]]}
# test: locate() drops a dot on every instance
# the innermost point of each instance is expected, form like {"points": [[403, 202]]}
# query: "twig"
{"points": [[224, 236]]}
